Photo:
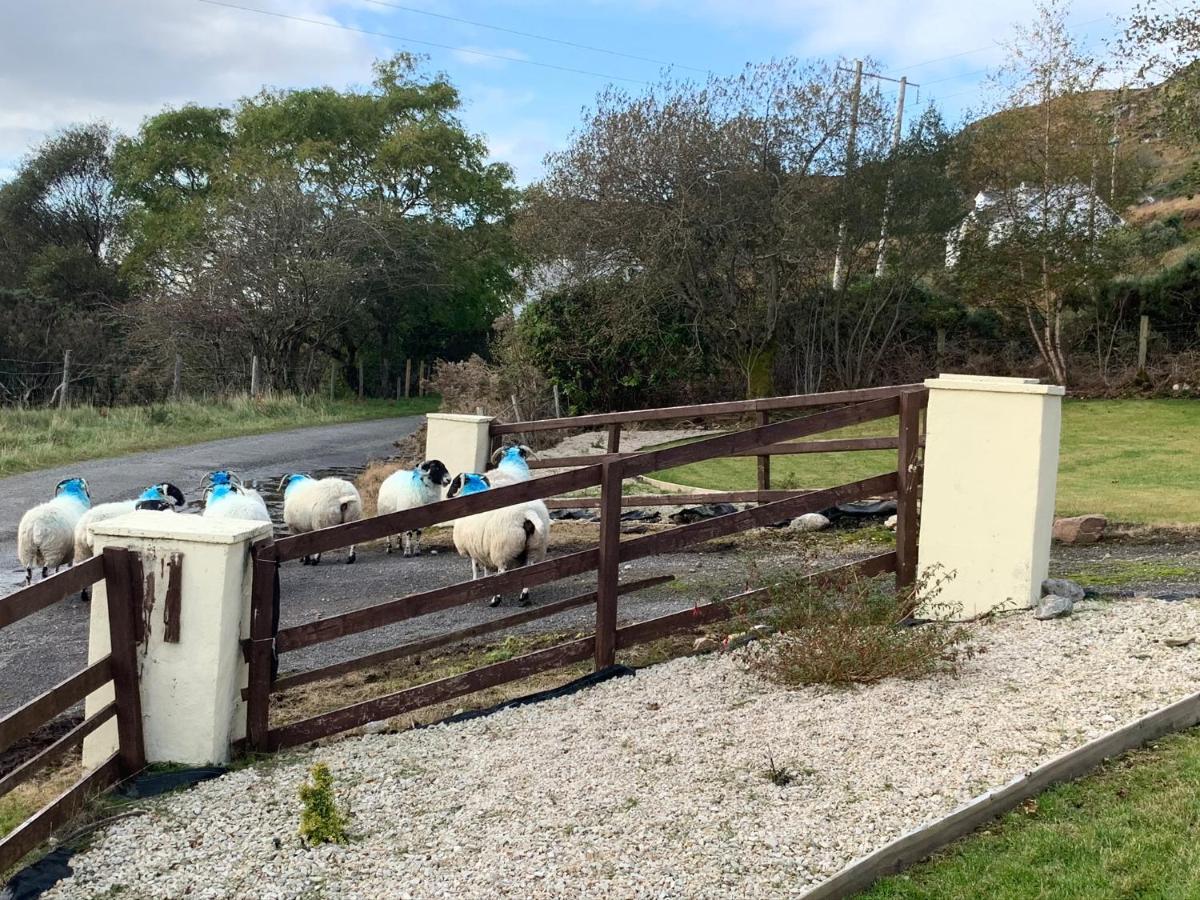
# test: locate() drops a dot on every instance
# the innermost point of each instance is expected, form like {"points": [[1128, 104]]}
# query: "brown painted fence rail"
{"points": [[118, 668], [608, 472]]}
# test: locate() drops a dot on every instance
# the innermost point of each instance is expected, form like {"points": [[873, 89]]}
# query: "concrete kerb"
{"points": [[931, 837]]}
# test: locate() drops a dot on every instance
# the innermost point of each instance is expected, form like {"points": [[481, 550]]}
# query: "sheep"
{"points": [[407, 489], [501, 539], [157, 496], [225, 497], [311, 503], [510, 466], [46, 533]]}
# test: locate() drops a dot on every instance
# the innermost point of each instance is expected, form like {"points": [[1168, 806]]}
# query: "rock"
{"points": [[763, 630], [376, 727], [810, 522], [704, 645], [1080, 529], [1179, 642], [1054, 607], [1063, 587], [890, 522]]}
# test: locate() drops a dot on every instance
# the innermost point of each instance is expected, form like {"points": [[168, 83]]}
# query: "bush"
{"points": [[852, 630], [321, 822]]}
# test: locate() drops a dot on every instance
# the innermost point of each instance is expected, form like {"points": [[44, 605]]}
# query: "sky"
{"points": [[66, 61]]}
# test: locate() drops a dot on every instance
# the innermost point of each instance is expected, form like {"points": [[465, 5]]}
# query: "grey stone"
{"points": [[1062, 587], [810, 522], [1080, 529], [704, 645], [1054, 607]]}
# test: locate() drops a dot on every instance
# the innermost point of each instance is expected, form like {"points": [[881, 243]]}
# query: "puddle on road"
{"points": [[13, 576]]}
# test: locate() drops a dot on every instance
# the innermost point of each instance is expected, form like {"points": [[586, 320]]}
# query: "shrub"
{"points": [[847, 629], [321, 822]]}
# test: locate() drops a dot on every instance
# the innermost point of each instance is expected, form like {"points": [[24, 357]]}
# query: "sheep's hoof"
{"points": [[85, 596], [495, 601], [388, 550], [351, 558], [315, 560], [523, 600]]}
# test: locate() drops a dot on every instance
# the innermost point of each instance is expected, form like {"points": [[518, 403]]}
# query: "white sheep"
{"points": [[225, 497], [157, 496], [500, 539], [408, 489], [310, 504], [46, 533], [510, 466]]}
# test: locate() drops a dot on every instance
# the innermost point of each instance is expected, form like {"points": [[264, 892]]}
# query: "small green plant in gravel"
{"points": [[780, 776], [321, 822], [845, 629]]}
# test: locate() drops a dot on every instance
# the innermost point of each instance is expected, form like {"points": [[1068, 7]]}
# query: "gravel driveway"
{"points": [[653, 785]]}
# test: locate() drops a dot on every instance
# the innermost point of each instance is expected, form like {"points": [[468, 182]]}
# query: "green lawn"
{"points": [[40, 438], [1132, 460], [1130, 830]]}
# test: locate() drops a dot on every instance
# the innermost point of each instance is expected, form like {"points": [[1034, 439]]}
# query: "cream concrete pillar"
{"points": [[460, 442], [987, 508], [191, 689]]}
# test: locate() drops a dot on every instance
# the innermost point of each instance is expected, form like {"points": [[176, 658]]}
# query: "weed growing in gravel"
{"points": [[321, 822], [846, 629], [780, 776]]}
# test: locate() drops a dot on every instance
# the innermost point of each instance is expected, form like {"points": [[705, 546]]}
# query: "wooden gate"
{"points": [[268, 641], [120, 570]]}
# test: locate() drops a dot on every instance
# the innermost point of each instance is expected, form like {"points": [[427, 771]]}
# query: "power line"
{"points": [[536, 37], [409, 40]]}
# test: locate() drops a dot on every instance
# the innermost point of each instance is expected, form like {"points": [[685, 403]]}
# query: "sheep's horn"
{"points": [[528, 451], [497, 454]]}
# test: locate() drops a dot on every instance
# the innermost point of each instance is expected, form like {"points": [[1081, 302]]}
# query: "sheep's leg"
{"points": [[28, 576], [85, 596], [523, 600], [407, 542], [45, 572], [474, 570], [496, 598], [416, 541], [315, 559], [388, 545], [353, 555]]}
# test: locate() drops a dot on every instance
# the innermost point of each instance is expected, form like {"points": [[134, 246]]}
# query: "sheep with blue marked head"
{"points": [[408, 489], [162, 496], [310, 504], [510, 465], [500, 539], [225, 497], [46, 533]]}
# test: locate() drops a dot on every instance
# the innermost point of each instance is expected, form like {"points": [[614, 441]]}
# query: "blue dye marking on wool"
{"points": [[473, 484], [294, 480]]}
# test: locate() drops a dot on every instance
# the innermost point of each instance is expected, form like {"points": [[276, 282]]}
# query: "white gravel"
{"points": [[653, 786]]}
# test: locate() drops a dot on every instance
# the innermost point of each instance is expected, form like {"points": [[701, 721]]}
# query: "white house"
{"points": [[1072, 205]]}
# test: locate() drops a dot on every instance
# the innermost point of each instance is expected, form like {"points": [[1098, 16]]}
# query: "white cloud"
{"points": [[121, 60]]}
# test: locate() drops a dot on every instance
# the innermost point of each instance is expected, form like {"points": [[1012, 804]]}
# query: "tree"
{"points": [[1038, 160], [59, 282], [392, 226]]}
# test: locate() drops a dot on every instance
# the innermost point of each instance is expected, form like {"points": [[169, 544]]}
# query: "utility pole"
{"points": [[890, 194], [839, 261], [254, 376]]}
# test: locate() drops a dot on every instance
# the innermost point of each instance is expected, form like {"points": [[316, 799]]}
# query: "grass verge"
{"points": [[33, 439], [1132, 829], [1132, 460]]}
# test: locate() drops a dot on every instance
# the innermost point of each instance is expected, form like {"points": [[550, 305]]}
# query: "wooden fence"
{"points": [[267, 640], [120, 570]]}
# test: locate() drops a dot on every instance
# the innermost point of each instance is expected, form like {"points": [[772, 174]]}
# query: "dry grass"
{"points": [[1187, 208], [26, 799]]}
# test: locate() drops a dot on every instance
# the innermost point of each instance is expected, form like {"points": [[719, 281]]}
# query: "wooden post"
{"points": [[608, 568], [614, 437], [254, 376], [1143, 342], [360, 378], [399, 388], [422, 373], [761, 418], [122, 615], [264, 622], [908, 480], [557, 403], [408, 378], [64, 385], [516, 409], [177, 380]]}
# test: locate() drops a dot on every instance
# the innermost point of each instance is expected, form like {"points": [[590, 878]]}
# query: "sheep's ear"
{"points": [[497, 454], [455, 486], [485, 480]]}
